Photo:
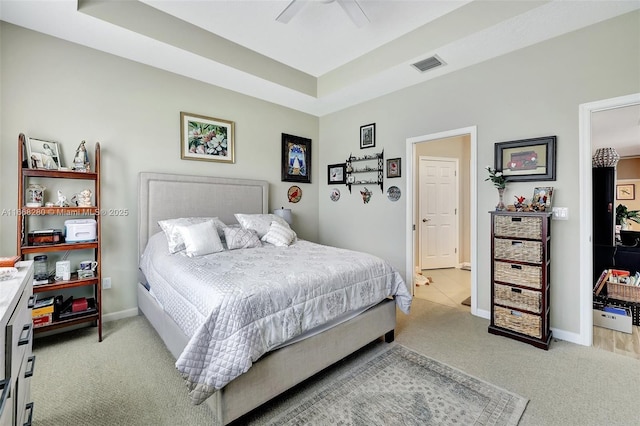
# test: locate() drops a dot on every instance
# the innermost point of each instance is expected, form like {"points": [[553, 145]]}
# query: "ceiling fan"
{"points": [[351, 7]]}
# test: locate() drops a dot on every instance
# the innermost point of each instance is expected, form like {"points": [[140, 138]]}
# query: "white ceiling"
{"points": [[618, 128], [319, 62]]}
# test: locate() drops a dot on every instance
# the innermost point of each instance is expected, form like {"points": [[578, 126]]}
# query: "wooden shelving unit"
{"points": [[23, 249]]}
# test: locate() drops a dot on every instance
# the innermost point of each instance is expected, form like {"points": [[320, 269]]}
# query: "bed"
{"points": [[170, 196]]}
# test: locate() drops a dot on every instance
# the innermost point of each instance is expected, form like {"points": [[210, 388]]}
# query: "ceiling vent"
{"points": [[429, 63]]}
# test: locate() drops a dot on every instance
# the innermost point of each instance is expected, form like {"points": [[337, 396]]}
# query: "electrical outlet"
{"points": [[560, 213], [106, 283]]}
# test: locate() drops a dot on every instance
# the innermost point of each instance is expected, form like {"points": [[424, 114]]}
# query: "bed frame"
{"points": [[167, 196]]}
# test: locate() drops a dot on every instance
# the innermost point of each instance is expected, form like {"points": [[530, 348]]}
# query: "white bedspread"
{"points": [[246, 302]]}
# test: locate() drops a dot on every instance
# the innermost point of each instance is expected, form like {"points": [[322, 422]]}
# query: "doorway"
{"points": [[432, 146], [586, 205]]}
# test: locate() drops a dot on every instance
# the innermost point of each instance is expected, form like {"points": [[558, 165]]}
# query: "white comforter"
{"points": [[247, 302]]}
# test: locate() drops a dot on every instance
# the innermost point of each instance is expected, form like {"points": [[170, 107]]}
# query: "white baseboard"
{"points": [[113, 316]]}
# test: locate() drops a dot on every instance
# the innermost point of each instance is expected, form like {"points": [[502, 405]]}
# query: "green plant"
{"points": [[497, 178], [623, 214]]}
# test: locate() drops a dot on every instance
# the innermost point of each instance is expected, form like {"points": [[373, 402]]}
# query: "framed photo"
{"points": [[527, 159], [626, 191], [296, 159], [542, 197], [336, 173], [368, 136], [393, 168], [206, 138], [43, 154]]}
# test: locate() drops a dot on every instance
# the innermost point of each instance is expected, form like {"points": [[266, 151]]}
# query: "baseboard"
{"points": [[567, 336], [465, 266], [113, 316], [483, 314]]}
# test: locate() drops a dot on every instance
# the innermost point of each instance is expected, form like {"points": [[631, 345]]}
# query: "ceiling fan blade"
{"points": [[355, 12], [290, 11]]}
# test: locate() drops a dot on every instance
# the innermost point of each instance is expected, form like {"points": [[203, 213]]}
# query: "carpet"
{"points": [[401, 387], [467, 301]]}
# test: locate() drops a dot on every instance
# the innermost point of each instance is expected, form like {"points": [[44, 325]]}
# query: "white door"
{"points": [[438, 218]]}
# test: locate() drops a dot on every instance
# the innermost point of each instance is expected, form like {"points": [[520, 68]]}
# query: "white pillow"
{"points": [[174, 239], [200, 239], [238, 238], [259, 222], [279, 235]]}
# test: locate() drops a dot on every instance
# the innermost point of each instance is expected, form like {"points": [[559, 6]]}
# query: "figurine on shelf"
{"points": [[81, 159], [62, 200], [82, 199], [519, 205]]}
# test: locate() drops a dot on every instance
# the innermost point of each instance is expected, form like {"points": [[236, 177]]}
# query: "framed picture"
{"points": [[542, 197], [336, 173], [393, 168], [206, 138], [626, 191], [296, 159], [527, 159], [43, 154], [368, 136]]}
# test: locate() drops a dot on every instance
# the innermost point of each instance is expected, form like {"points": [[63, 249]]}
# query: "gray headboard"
{"points": [[169, 196]]}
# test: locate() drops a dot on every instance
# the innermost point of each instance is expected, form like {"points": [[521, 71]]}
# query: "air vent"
{"points": [[429, 63]]}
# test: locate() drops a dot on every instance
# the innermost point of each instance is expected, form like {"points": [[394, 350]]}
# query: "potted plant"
{"points": [[624, 215]]}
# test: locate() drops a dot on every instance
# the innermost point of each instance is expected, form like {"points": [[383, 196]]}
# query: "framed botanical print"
{"points": [[296, 159], [206, 138]]}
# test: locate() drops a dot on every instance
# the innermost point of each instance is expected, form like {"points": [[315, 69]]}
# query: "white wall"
{"points": [[529, 93], [55, 90]]}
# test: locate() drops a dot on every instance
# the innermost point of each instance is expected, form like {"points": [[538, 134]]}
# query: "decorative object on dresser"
{"points": [[368, 136], [363, 167], [520, 284], [83, 235], [206, 138], [527, 159], [498, 180], [542, 199], [16, 357], [296, 159]]}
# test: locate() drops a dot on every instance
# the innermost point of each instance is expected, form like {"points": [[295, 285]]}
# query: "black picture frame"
{"points": [[527, 159], [368, 136], [296, 159], [394, 168], [336, 173]]}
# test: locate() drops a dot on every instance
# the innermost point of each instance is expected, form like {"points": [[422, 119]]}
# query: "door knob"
{"points": [[426, 220]]}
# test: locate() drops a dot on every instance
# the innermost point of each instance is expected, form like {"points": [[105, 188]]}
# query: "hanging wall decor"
{"points": [[296, 159], [527, 159], [366, 195], [393, 193], [294, 194], [335, 194], [206, 138]]}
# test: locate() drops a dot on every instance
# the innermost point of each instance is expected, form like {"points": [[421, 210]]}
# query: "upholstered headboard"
{"points": [[168, 196]]}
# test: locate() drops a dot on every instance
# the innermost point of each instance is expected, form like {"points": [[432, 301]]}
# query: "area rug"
{"points": [[402, 387], [467, 301]]}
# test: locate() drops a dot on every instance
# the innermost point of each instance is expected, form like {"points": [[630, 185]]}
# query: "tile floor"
{"points": [[448, 287]]}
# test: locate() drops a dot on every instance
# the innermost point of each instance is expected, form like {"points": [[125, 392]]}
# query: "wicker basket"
{"points": [[523, 251], [524, 275], [518, 226], [519, 322], [517, 298], [630, 293]]}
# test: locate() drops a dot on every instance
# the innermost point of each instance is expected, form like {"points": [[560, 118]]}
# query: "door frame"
{"points": [[457, 204], [410, 205], [586, 205]]}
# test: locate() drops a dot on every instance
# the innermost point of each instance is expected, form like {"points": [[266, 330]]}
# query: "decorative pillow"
{"points": [[259, 222], [238, 238], [174, 239], [200, 239], [279, 235]]}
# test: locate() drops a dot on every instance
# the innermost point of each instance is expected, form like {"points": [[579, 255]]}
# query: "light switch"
{"points": [[560, 213]]}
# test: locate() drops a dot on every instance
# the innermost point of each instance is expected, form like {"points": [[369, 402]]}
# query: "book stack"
{"points": [[8, 261], [42, 313]]}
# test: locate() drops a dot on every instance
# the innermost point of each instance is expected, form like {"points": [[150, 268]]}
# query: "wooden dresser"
{"points": [[520, 252], [16, 360]]}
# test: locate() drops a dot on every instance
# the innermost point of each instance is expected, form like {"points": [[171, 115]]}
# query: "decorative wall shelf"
{"points": [[362, 172]]}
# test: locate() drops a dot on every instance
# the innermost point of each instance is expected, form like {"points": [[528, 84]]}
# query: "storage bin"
{"points": [[630, 293], [80, 230], [523, 251], [518, 298], [512, 273], [517, 321], [518, 227]]}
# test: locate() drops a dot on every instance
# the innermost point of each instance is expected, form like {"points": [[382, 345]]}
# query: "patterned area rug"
{"points": [[401, 387]]}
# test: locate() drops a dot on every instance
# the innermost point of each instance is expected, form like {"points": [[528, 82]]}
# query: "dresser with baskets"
{"points": [[520, 251]]}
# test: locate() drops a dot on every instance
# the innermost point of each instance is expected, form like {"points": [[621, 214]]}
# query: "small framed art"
{"points": [[296, 159], [626, 191], [43, 154], [393, 168], [336, 173], [206, 138], [542, 198], [527, 159], [368, 136]]}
